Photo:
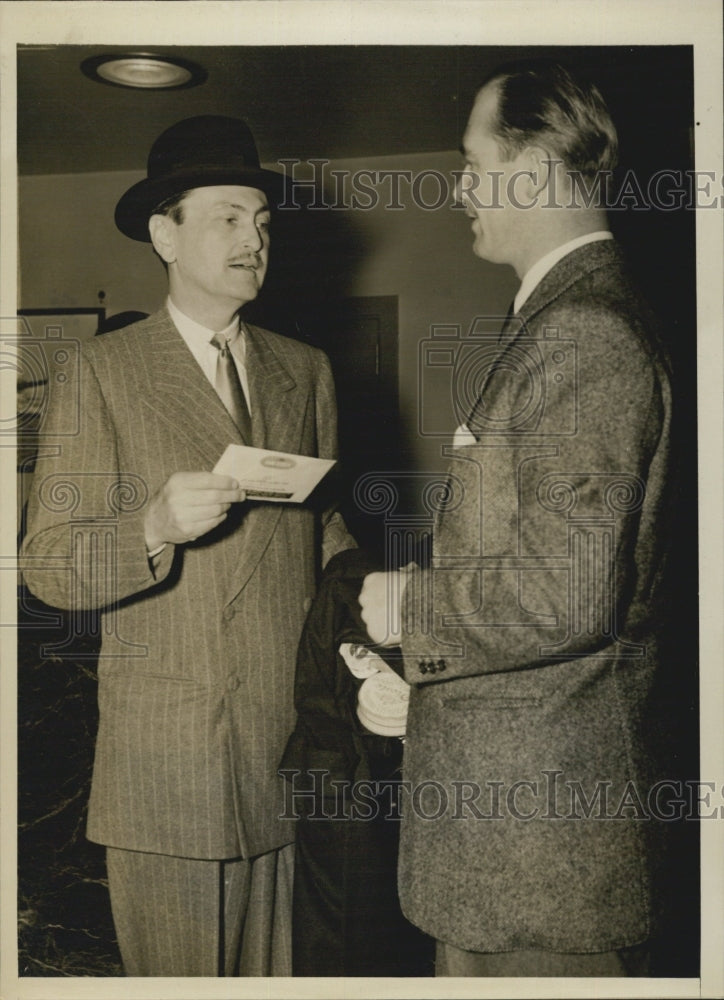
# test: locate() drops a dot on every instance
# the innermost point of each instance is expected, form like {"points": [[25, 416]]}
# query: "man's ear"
{"points": [[160, 228], [541, 165]]}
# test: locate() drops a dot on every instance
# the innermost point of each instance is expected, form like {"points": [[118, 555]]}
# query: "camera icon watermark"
{"points": [[45, 361], [496, 378]]}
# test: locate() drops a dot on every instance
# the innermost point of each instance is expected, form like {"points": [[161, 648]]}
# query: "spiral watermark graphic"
{"points": [[102, 496], [444, 494], [60, 494], [625, 494], [127, 495], [557, 495], [375, 493]]}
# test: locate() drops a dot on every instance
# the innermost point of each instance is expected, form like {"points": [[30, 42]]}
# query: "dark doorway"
{"points": [[359, 335]]}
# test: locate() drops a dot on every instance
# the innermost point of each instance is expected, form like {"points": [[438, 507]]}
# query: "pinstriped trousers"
{"points": [[185, 917]]}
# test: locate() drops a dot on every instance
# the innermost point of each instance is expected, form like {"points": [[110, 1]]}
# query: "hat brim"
{"points": [[137, 205]]}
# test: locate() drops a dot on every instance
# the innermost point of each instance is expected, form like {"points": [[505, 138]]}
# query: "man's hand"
{"points": [[380, 600], [188, 505]]}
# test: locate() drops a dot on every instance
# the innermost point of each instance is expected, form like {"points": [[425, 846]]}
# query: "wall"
{"points": [[70, 250], [424, 256]]}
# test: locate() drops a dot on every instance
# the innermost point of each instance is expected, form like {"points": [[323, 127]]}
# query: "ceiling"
{"points": [[300, 101]]}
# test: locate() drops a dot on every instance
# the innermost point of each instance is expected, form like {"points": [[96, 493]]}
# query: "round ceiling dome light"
{"points": [[143, 71]]}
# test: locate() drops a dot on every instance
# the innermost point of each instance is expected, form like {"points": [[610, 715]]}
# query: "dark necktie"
{"points": [[228, 386], [504, 328], [476, 418]]}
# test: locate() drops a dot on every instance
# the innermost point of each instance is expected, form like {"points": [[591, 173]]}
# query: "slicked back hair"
{"points": [[540, 102]]}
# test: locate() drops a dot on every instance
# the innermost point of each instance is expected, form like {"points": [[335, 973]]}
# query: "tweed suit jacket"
{"points": [[533, 641], [196, 671]]}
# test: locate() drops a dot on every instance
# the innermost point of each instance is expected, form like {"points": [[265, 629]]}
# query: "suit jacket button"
{"points": [[233, 682], [229, 614], [423, 666], [441, 665]]}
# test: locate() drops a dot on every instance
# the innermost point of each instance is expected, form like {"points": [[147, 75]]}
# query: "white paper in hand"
{"points": [[272, 475]]}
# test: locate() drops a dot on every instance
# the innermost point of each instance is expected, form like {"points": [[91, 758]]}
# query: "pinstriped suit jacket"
{"points": [[546, 602], [197, 662]]}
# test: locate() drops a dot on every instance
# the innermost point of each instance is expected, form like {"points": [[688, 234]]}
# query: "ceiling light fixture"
{"points": [[143, 71]]}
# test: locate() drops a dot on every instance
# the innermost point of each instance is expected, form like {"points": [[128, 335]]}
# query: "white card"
{"points": [[272, 475]]}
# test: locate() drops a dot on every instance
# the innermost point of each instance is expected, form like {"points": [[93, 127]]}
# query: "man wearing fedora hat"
{"points": [[203, 593]]}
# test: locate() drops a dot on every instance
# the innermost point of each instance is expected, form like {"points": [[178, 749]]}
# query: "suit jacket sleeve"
{"points": [[85, 545], [335, 536], [550, 542]]}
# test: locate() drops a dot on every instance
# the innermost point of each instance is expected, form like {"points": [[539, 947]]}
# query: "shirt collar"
{"points": [[538, 271], [192, 331]]}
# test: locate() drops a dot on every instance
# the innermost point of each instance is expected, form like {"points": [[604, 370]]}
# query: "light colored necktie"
{"points": [[228, 386]]}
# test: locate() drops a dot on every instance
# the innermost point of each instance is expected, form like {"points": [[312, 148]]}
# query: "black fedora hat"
{"points": [[196, 152]]}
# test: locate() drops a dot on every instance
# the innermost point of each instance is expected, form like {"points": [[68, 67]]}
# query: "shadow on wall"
{"points": [[308, 295], [314, 257]]}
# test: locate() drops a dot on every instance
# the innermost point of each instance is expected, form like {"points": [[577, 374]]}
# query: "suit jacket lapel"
{"points": [[277, 415], [181, 395], [558, 280], [566, 273]]}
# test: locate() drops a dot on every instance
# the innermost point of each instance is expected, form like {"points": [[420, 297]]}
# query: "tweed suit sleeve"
{"points": [[335, 536], [549, 551], [85, 544]]}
